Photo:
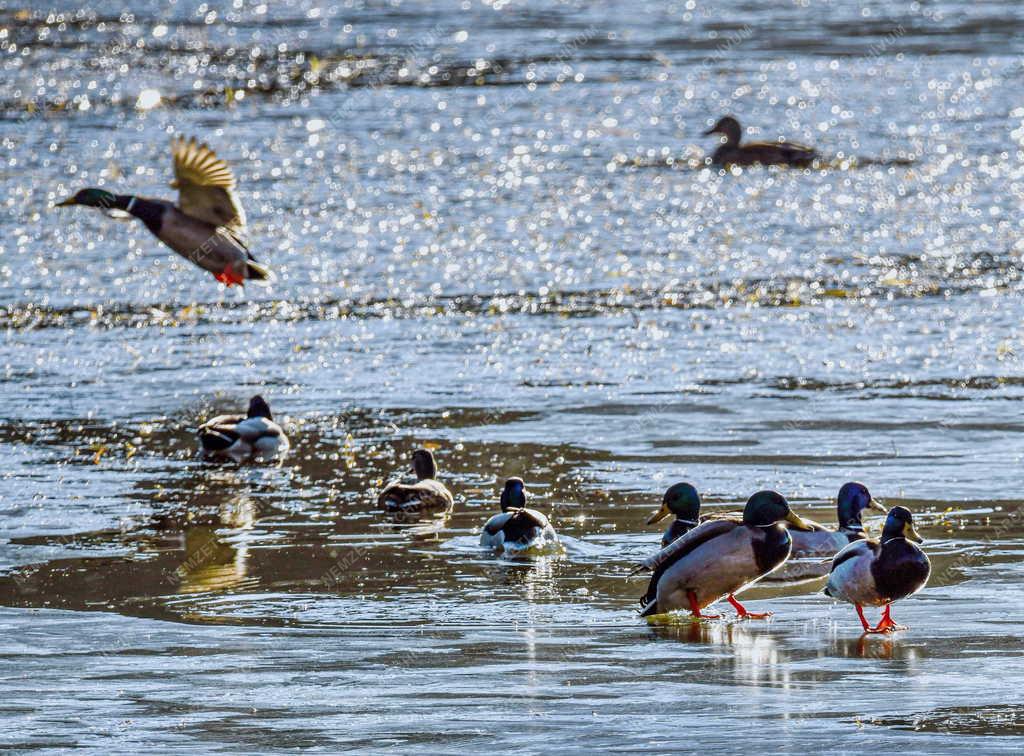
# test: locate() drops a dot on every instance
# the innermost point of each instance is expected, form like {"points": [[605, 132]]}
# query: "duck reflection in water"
{"points": [[754, 655], [210, 563], [873, 646], [536, 575]]}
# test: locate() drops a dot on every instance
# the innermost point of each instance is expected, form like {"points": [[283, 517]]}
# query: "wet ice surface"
{"points": [[536, 282]]}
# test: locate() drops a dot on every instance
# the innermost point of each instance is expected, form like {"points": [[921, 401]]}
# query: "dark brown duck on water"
{"points": [[731, 152], [426, 495]]}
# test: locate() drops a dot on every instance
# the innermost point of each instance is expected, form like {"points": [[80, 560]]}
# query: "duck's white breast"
{"points": [[852, 580]]}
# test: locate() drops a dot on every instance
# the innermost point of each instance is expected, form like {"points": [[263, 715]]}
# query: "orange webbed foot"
{"points": [[695, 608], [742, 613], [863, 620], [229, 278], [885, 625]]}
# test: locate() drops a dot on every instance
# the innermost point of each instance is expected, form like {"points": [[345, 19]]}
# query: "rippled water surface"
{"points": [[494, 234]]}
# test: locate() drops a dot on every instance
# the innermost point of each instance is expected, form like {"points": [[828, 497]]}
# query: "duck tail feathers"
{"points": [[258, 273]]}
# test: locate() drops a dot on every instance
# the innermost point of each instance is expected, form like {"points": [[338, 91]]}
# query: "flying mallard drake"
{"points": [[879, 572], [426, 495], [517, 528], [719, 558], [206, 227], [683, 501], [853, 499], [731, 152], [241, 438]]}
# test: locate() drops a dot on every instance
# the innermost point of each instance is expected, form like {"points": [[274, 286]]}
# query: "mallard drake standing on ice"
{"points": [[731, 152], [517, 528], [241, 438], [721, 557], [876, 573], [207, 224]]}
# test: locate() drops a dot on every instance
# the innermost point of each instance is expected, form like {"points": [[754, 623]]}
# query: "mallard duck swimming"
{"points": [[517, 528], [731, 152], [721, 557], [853, 499], [239, 438], [206, 225], [683, 501], [426, 495], [876, 573]]}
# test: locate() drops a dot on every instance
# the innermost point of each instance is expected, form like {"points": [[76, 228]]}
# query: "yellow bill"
{"points": [[795, 520], [661, 514], [910, 534]]}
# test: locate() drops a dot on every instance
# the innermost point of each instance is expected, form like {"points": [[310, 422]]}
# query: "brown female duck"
{"points": [[426, 495], [731, 152]]}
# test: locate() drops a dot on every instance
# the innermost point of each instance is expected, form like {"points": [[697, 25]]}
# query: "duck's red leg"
{"points": [[228, 277], [863, 619], [886, 624], [695, 607], [742, 613]]}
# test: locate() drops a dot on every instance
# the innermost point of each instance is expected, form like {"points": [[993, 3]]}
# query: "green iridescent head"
{"points": [[681, 500], [91, 197], [769, 507]]}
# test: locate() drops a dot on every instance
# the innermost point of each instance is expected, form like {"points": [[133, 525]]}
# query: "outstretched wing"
{"points": [[205, 184]]}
